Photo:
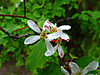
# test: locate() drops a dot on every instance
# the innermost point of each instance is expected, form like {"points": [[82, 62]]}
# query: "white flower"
{"points": [[58, 31], [60, 51], [35, 38], [21, 0], [48, 24], [57, 35], [75, 68], [58, 46]]}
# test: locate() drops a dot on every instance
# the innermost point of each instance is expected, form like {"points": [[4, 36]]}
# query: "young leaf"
{"points": [[75, 15], [85, 60], [73, 57], [36, 59], [53, 69]]}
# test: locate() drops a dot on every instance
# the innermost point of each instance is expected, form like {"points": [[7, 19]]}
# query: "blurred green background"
{"points": [[82, 15]]}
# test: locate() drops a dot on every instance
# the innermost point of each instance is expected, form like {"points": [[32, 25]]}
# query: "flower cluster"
{"points": [[75, 68], [49, 33]]}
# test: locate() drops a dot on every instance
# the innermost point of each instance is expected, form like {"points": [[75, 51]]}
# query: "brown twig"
{"points": [[20, 28], [14, 37], [62, 20], [24, 9], [15, 16]]}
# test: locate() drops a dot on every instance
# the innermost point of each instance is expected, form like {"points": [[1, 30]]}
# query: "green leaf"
{"points": [[75, 15], [76, 6], [11, 49], [36, 59], [85, 60], [36, 13], [73, 57], [70, 8], [84, 17], [0, 63], [98, 71], [96, 14], [53, 69], [20, 61]]}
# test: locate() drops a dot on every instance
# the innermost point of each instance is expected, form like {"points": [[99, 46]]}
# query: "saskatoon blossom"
{"points": [[58, 46], [33, 39], [57, 31], [75, 68]]}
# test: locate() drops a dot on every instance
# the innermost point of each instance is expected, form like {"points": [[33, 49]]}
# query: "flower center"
{"points": [[43, 34], [59, 41], [54, 30]]}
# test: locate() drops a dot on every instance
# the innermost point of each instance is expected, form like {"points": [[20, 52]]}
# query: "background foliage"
{"points": [[82, 15]]}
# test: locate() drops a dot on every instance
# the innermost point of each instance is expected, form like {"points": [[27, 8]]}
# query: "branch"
{"points": [[7, 33], [14, 37], [24, 9], [20, 28], [62, 20], [15, 16]]}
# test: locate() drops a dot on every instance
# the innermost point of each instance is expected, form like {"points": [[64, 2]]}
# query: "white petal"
{"points": [[64, 36], [32, 39], [64, 71], [92, 66], [48, 53], [55, 48], [49, 46], [74, 67], [64, 27], [54, 35], [60, 51], [33, 26], [45, 27], [90, 74], [47, 23], [50, 24]]}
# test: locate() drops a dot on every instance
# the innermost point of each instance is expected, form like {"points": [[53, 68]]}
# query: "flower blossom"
{"points": [[58, 46], [57, 33], [43, 34], [75, 68]]}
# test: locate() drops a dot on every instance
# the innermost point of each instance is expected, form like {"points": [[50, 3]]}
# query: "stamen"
{"points": [[54, 30], [43, 34], [59, 41]]}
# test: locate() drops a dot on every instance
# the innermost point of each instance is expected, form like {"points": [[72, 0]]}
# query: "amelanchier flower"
{"points": [[57, 33], [35, 38], [60, 50], [75, 68]]}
